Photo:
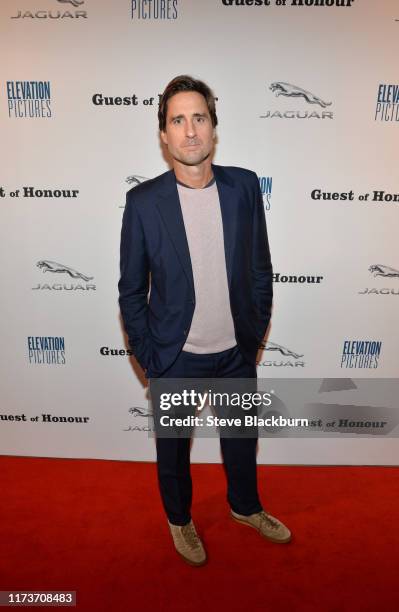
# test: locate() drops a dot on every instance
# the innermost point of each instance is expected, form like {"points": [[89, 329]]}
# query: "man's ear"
{"points": [[214, 133], [164, 138]]}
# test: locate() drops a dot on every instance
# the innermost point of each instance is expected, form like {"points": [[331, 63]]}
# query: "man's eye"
{"points": [[200, 119], [176, 120]]}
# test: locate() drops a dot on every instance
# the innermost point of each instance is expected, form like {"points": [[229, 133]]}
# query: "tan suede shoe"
{"points": [[188, 544], [266, 524]]}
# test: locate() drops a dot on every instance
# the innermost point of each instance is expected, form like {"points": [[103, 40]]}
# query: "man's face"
{"points": [[188, 134]]}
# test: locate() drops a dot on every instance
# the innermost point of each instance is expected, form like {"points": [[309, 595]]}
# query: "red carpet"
{"points": [[97, 527]]}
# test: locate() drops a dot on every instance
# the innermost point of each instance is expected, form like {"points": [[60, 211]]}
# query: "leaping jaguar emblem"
{"points": [[136, 179], [52, 266], [292, 91], [379, 270], [136, 411], [272, 346], [75, 3]]}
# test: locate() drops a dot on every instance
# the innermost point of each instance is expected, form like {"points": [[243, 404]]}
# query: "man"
{"points": [[200, 231]]}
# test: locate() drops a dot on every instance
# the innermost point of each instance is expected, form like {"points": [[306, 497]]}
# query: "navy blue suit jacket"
{"points": [[154, 242]]}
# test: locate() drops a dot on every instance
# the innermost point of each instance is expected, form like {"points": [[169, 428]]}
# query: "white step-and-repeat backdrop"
{"points": [[308, 98]]}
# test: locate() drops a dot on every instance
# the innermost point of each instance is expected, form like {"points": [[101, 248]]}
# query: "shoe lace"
{"points": [[266, 518], [190, 535]]}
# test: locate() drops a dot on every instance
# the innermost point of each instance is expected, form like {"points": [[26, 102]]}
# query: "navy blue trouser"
{"points": [[239, 454]]}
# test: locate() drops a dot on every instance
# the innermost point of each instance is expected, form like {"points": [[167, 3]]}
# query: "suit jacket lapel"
{"points": [[170, 211], [228, 206]]}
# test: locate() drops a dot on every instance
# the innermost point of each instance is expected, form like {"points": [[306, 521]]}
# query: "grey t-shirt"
{"points": [[212, 327]]}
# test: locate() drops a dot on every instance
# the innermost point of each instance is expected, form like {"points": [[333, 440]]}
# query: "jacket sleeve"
{"points": [[134, 282], [262, 271]]}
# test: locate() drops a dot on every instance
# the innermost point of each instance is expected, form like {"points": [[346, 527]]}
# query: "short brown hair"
{"points": [[185, 83]]}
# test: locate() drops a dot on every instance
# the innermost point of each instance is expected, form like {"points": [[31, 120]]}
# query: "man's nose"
{"points": [[190, 129]]}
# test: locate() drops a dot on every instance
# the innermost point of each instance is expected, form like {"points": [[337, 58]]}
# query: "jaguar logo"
{"points": [[137, 411], [136, 179], [379, 270], [272, 346], [74, 3], [292, 91], [52, 266]]}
